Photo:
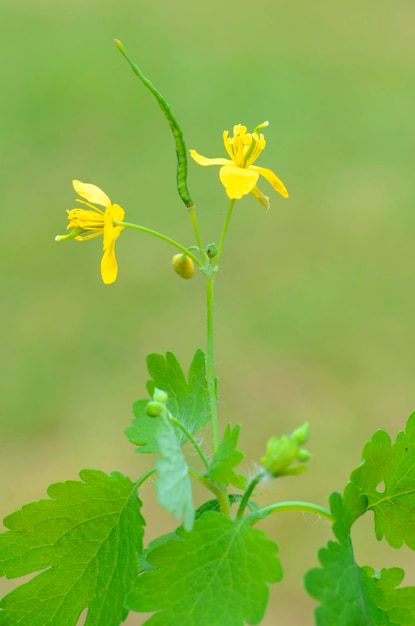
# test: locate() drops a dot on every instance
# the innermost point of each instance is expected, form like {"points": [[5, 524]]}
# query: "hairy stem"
{"points": [[192, 213], [210, 366], [289, 505], [245, 499], [155, 233], [190, 437], [217, 490], [145, 476], [224, 230]]}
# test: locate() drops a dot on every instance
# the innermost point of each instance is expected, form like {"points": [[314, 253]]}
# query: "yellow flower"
{"points": [[238, 174], [93, 222]]}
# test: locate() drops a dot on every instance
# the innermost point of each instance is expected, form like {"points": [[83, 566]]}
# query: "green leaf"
{"points": [[174, 490], [387, 478], [86, 538], [226, 458], [188, 401], [353, 595], [216, 575]]}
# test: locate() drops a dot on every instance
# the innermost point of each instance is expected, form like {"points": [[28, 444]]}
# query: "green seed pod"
{"points": [[183, 265]]}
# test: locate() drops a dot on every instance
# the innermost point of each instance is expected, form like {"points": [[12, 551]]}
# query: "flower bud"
{"points": [[283, 451], [160, 396], [154, 409], [301, 433], [183, 265], [211, 250]]}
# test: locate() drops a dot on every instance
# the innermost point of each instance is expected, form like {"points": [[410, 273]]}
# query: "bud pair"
{"points": [[157, 406]]}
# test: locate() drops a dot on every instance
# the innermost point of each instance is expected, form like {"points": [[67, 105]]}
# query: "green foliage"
{"points": [[84, 544], [86, 538], [215, 576], [225, 458], [350, 594], [393, 466], [174, 490], [188, 401]]}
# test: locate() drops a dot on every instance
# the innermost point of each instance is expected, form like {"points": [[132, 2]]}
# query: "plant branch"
{"points": [[289, 505], [155, 233]]}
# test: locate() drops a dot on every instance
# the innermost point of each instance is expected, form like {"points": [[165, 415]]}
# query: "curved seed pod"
{"points": [[181, 152]]}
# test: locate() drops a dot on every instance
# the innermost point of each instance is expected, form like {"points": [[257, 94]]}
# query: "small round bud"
{"points": [[154, 409], [183, 265], [211, 250], [301, 433], [160, 396]]}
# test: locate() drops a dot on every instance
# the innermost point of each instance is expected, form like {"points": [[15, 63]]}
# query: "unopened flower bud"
{"points": [[154, 409], [283, 451], [211, 250], [183, 265], [160, 396], [301, 433]]}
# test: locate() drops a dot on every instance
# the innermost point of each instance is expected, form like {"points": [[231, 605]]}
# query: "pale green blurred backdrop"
{"points": [[315, 300]]}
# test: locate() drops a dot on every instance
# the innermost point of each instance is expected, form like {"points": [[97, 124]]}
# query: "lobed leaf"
{"points": [[351, 595], [174, 489], [225, 458], [86, 539], [216, 575], [386, 478], [188, 401]]}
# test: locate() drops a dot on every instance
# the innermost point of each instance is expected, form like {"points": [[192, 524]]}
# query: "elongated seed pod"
{"points": [[181, 152]]}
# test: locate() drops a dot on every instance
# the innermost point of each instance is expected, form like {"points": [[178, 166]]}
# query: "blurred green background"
{"points": [[315, 300]]}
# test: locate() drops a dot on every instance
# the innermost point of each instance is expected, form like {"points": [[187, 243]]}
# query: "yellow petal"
{"points": [[111, 232], [118, 213], [109, 265], [237, 181], [272, 179], [262, 198], [92, 193], [201, 160]]}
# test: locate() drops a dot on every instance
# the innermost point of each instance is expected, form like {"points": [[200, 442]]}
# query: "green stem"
{"points": [[192, 213], [190, 437], [145, 476], [210, 366], [224, 230], [245, 499], [293, 505], [221, 494], [155, 233]]}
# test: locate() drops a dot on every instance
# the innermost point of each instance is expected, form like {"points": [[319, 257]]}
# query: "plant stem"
{"points": [[193, 441], [221, 495], [224, 230], [192, 213], [155, 233], [289, 505], [145, 476], [210, 369], [245, 499], [210, 366]]}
